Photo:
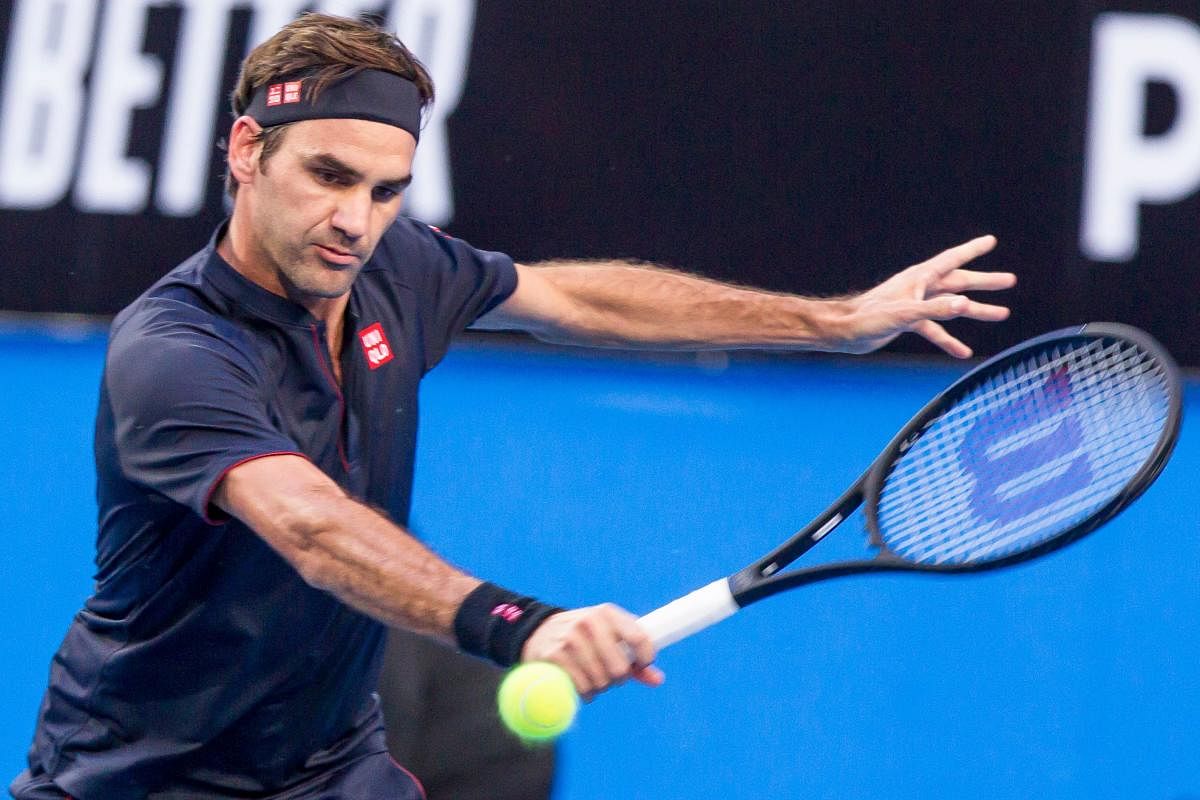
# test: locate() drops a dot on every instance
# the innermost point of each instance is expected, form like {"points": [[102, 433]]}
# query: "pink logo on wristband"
{"points": [[508, 612]]}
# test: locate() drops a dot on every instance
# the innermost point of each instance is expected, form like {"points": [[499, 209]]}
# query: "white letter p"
{"points": [[1124, 167]]}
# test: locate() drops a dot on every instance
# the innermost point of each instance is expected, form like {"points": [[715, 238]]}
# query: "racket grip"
{"points": [[689, 614]]}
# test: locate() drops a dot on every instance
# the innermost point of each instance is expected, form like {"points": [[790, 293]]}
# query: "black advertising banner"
{"points": [[809, 147]]}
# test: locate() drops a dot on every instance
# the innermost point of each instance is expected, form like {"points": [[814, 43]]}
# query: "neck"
{"points": [[238, 249]]}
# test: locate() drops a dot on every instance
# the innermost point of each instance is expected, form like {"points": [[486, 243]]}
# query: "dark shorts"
{"points": [[371, 777], [36, 786], [440, 710]]}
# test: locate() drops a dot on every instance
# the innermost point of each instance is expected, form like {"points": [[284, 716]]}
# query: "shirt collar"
{"points": [[247, 294]]}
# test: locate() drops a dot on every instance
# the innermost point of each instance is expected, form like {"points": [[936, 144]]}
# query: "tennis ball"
{"points": [[537, 701]]}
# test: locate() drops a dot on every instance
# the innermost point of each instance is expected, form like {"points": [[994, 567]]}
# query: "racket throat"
{"points": [[803, 540], [766, 570]]}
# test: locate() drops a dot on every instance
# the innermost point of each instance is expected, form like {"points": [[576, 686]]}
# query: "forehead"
{"points": [[368, 147]]}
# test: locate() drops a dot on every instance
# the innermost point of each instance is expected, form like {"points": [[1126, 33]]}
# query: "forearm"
{"points": [[378, 568], [621, 304], [345, 547]]}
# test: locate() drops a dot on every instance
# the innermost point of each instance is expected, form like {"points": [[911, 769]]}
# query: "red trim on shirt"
{"points": [[322, 353], [414, 778], [213, 488]]}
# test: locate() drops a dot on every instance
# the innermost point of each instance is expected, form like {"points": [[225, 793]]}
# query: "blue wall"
{"points": [[584, 477]]}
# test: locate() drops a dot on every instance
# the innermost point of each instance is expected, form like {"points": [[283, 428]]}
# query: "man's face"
{"points": [[323, 200]]}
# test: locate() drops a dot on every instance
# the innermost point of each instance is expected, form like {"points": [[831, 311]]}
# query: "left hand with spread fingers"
{"points": [[917, 298]]}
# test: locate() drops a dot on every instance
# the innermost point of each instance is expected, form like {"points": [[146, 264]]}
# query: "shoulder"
{"points": [[409, 244], [414, 249], [171, 331]]}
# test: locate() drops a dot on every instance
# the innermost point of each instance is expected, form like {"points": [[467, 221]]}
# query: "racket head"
{"points": [[1026, 453]]}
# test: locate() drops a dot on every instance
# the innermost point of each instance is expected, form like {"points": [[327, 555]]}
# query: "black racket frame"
{"points": [[764, 577]]}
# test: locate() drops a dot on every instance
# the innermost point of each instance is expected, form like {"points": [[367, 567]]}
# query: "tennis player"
{"points": [[255, 437]]}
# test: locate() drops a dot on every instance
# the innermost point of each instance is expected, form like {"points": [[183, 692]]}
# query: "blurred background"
{"points": [[814, 148]]}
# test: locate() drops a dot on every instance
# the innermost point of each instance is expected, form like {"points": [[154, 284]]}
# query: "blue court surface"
{"points": [[585, 477]]}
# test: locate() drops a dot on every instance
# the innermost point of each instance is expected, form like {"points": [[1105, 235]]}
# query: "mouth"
{"points": [[336, 256]]}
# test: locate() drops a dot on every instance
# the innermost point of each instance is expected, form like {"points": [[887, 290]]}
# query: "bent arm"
{"points": [[344, 547], [373, 565]]}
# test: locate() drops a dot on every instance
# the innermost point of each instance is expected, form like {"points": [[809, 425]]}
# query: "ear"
{"points": [[244, 149]]}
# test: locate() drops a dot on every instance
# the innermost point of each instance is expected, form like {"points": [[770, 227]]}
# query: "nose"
{"points": [[352, 214]]}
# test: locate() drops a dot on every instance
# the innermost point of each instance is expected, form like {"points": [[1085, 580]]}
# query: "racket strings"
{"points": [[1021, 530], [944, 540], [1027, 455], [1122, 361], [1122, 441], [953, 423], [967, 411], [926, 521]]}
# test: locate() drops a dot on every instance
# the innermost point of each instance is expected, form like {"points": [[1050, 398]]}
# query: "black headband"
{"points": [[369, 94]]}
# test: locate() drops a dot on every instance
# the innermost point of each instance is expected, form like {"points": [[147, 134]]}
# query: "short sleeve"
{"points": [[187, 406], [455, 282]]}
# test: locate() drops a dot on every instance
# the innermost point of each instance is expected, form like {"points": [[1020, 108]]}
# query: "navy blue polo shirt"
{"points": [[203, 665]]}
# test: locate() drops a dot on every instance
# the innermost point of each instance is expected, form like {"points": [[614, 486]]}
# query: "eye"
{"points": [[328, 177], [382, 194]]}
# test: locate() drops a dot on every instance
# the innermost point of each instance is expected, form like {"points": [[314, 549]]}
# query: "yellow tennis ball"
{"points": [[537, 701]]}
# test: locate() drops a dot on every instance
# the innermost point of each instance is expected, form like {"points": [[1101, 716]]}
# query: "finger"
{"points": [[949, 260], [939, 336], [637, 644], [583, 685], [592, 648], [966, 280], [558, 640], [952, 306], [943, 306], [576, 653], [649, 676], [615, 656], [985, 312], [628, 647]]}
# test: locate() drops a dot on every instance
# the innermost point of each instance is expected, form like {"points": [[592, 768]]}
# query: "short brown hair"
{"points": [[329, 48]]}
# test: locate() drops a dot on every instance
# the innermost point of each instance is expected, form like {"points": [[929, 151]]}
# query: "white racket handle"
{"points": [[689, 614]]}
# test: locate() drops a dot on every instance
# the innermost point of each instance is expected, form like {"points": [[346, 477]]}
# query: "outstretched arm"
{"points": [[621, 304]]}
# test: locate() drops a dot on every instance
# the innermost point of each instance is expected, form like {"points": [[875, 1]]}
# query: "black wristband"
{"points": [[494, 623]]}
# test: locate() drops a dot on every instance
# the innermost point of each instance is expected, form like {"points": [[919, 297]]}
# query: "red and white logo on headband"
{"points": [[283, 93], [375, 346]]}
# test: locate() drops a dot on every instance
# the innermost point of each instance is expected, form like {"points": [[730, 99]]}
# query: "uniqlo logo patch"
{"points": [[281, 93], [375, 346]]}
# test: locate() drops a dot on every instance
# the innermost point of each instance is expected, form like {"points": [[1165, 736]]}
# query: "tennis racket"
{"points": [[1026, 453]]}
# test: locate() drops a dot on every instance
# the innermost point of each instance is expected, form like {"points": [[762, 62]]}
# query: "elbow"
{"points": [[306, 540]]}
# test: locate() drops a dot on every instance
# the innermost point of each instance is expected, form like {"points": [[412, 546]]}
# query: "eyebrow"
{"points": [[326, 161]]}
